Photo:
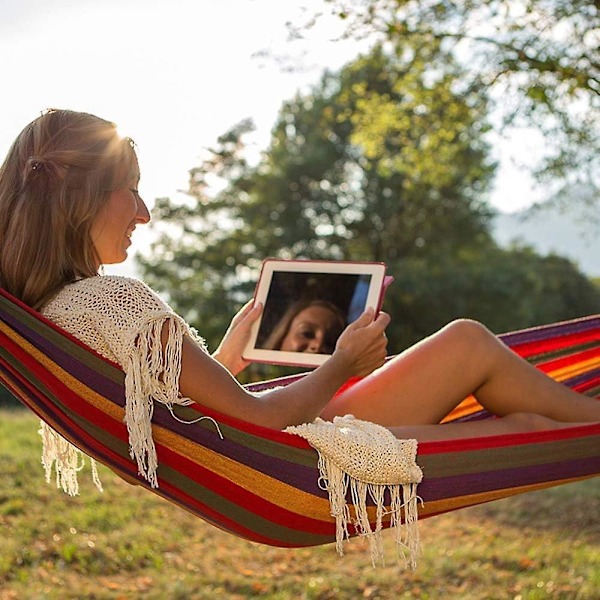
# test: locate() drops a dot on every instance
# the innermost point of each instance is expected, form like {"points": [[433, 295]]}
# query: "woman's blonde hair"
{"points": [[57, 175]]}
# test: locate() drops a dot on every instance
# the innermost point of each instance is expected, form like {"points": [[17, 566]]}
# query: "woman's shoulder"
{"points": [[104, 293], [108, 282], [111, 312]]}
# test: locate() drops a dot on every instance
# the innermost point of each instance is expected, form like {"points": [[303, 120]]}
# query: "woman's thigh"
{"points": [[421, 385]]}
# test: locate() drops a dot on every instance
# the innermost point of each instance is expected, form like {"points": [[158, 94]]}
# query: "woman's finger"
{"points": [[382, 320], [249, 312], [365, 319]]}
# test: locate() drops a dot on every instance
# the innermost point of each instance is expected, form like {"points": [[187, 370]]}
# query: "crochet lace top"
{"points": [[122, 319]]}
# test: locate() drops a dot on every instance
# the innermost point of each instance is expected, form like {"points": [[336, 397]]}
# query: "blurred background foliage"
{"points": [[388, 159], [539, 61]]}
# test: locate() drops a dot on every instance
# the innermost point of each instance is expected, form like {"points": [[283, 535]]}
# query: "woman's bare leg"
{"points": [[423, 384], [510, 424]]}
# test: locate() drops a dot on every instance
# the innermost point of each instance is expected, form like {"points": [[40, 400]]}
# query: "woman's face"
{"points": [[112, 228], [314, 330]]}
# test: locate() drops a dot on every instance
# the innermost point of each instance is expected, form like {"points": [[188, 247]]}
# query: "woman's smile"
{"points": [[115, 223]]}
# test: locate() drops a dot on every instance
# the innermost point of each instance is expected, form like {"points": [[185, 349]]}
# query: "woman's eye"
{"points": [[308, 334], [134, 192]]}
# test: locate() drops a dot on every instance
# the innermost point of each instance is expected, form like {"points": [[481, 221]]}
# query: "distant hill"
{"points": [[549, 230]]}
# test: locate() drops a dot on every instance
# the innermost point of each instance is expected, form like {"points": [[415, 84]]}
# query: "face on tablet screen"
{"points": [[306, 312]]}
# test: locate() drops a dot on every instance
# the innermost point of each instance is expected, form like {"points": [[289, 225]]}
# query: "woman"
{"points": [[69, 204]]}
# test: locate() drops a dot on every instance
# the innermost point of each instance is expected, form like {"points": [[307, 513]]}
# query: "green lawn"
{"points": [[127, 543]]}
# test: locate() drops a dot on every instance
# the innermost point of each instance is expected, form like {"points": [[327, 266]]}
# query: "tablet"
{"points": [[306, 306]]}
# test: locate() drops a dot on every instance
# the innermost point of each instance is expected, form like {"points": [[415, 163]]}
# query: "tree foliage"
{"points": [[505, 289], [385, 160], [538, 58]]}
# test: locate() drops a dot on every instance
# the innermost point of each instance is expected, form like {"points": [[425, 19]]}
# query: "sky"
{"points": [[175, 74]]}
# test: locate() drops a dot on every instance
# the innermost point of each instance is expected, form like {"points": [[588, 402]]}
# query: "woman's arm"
{"points": [[359, 350]]}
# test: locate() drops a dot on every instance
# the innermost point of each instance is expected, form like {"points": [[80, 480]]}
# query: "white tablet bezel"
{"points": [[270, 266]]}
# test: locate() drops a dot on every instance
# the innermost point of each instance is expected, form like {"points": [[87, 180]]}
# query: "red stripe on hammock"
{"points": [[507, 440], [260, 431], [75, 403], [250, 428], [69, 398], [221, 487], [177, 496], [567, 361], [588, 384], [240, 496], [63, 333], [72, 430], [289, 439], [528, 349]]}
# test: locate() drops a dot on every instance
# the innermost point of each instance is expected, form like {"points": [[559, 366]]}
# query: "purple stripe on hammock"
{"points": [[74, 366], [279, 469], [549, 331], [510, 477], [476, 483], [280, 533], [573, 381], [300, 475], [305, 477], [295, 377], [518, 337], [260, 386], [104, 457], [287, 471], [50, 408]]}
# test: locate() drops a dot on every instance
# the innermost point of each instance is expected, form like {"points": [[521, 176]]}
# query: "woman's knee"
{"points": [[470, 332]]}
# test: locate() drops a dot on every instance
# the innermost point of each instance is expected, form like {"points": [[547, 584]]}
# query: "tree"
{"points": [[380, 161], [384, 161], [505, 289], [538, 58]]}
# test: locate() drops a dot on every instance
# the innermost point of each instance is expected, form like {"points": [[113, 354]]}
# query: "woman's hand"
{"points": [[363, 344], [229, 352]]}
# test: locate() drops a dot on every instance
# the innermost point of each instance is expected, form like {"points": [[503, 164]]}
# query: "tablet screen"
{"points": [[307, 305]]}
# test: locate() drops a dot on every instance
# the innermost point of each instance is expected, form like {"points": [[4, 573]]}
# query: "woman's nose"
{"points": [[315, 346], [143, 214]]}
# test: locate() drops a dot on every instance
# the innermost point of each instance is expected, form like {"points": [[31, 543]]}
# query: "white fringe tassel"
{"points": [[65, 459], [404, 501], [153, 375]]}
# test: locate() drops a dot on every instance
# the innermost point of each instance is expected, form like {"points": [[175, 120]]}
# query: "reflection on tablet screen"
{"points": [[306, 312]]}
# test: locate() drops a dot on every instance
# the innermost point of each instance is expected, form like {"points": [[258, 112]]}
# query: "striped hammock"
{"points": [[263, 485]]}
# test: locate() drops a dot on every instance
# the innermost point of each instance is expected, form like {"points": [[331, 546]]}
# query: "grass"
{"points": [[127, 543]]}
